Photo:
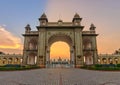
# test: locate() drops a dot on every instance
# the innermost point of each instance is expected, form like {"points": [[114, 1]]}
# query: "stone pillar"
{"points": [[41, 48], [72, 60], [26, 47], [47, 57], [95, 53], [78, 48]]}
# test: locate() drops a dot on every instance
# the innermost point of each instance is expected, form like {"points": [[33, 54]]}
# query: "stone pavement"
{"points": [[59, 76]]}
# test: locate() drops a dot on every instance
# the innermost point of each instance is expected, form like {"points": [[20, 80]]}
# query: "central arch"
{"points": [[58, 50], [63, 38]]}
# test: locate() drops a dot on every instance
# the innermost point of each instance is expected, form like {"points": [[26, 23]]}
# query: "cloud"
{"points": [[8, 41]]}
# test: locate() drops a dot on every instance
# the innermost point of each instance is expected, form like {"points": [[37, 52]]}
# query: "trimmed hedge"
{"points": [[118, 65], [104, 67], [17, 67]]}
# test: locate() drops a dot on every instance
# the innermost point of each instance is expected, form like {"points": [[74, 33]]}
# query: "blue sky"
{"points": [[105, 14], [15, 14]]}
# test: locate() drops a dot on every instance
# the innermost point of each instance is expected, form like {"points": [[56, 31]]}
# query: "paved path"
{"points": [[58, 76]]}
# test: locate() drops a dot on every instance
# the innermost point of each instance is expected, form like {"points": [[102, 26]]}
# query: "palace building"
{"points": [[83, 45]]}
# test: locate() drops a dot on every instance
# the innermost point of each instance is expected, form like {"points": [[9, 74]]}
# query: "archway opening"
{"points": [[61, 50], [60, 54]]}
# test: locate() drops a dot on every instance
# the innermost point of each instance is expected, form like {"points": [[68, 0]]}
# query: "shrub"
{"points": [[98, 65], [12, 65], [104, 67], [17, 67], [118, 65]]}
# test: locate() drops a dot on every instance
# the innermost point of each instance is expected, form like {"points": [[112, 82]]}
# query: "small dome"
{"points": [[76, 15], [92, 25], [27, 26], [43, 15], [60, 20]]}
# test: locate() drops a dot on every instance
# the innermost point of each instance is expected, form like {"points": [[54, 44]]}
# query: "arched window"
{"points": [[33, 44], [87, 44], [4, 61], [16, 60], [116, 60], [99, 61], [110, 61], [10, 61], [104, 60]]}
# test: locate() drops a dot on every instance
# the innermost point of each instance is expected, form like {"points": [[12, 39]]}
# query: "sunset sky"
{"points": [[15, 14]]}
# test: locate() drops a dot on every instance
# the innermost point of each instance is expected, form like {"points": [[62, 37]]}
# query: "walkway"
{"points": [[59, 76]]}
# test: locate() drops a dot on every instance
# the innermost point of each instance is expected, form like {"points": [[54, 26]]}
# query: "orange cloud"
{"points": [[8, 40]]}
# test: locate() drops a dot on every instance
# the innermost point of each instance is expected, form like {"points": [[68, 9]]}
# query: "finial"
{"points": [[59, 16]]}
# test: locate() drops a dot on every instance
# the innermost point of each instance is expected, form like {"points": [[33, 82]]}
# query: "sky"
{"points": [[15, 15]]}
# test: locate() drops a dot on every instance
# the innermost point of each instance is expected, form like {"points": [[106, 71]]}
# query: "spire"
{"points": [[43, 15], [43, 19], [76, 15], [92, 27], [76, 19]]}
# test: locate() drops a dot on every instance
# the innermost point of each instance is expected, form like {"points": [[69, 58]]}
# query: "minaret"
{"points": [[77, 20], [43, 19]]}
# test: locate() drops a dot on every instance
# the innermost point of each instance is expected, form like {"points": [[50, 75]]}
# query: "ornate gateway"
{"points": [[83, 47]]}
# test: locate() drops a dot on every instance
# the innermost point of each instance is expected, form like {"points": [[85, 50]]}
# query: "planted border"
{"points": [[10, 67], [102, 67]]}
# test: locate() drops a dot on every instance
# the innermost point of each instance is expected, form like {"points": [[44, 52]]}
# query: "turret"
{"points": [[60, 22], [27, 28], [43, 19], [92, 27], [77, 20]]}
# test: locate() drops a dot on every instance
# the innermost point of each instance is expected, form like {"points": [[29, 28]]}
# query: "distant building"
{"points": [[109, 58], [10, 59]]}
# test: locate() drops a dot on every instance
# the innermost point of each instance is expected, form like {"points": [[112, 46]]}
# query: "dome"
{"points": [[28, 27], [43, 15], [76, 15], [60, 20], [92, 25]]}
